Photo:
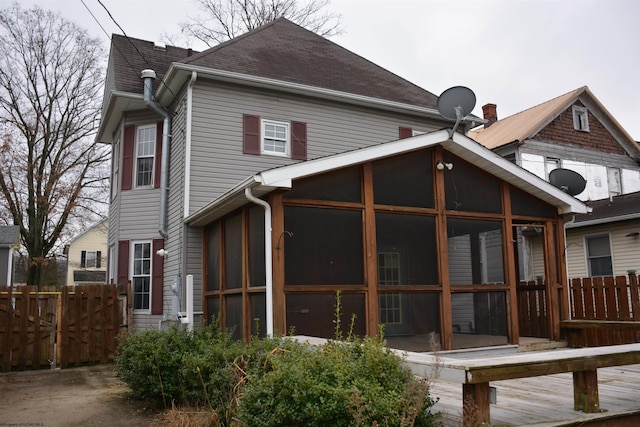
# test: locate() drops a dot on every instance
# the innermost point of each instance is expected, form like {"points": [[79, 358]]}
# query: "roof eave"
{"points": [[464, 147], [178, 73], [119, 102], [601, 221]]}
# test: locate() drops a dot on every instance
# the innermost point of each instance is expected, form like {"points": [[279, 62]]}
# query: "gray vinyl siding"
{"points": [[625, 254], [218, 163]]}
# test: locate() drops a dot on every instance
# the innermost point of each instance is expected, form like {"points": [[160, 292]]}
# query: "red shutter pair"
{"points": [[251, 137], [128, 148], [157, 272]]}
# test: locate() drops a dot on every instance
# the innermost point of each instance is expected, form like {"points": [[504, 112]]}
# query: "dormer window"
{"points": [[580, 119]]}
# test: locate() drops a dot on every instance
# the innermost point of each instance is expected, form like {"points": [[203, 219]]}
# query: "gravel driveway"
{"points": [[85, 396]]}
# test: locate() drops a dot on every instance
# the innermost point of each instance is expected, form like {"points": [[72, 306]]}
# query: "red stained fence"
{"points": [[604, 311], [77, 326]]}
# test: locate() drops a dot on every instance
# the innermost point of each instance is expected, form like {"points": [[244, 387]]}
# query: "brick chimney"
{"points": [[490, 113]]}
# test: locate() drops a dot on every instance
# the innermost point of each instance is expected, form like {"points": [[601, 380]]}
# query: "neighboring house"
{"points": [[87, 256], [575, 131], [9, 241], [279, 168], [606, 241]]}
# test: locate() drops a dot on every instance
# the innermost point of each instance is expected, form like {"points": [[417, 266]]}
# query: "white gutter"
{"points": [[187, 152], [268, 257], [264, 82], [148, 76]]}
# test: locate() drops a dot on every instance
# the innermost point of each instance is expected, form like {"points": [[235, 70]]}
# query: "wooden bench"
{"points": [[593, 333], [475, 374]]}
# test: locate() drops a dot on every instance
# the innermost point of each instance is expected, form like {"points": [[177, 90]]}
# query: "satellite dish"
{"points": [[456, 103], [568, 181]]}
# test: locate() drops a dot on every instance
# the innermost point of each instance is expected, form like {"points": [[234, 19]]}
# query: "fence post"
{"points": [[635, 295]]}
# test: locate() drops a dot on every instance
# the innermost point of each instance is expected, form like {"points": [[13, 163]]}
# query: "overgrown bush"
{"points": [[343, 383], [275, 382]]}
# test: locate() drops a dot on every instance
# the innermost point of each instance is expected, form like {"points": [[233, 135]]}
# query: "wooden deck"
{"points": [[547, 400]]}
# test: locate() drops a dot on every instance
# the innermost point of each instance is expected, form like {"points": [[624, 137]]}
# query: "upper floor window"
{"points": [[275, 138], [598, 251], [285, 139], [550, 164], [580, 118], [145, 155], [141, 275], [614, 181], [90, 259]]}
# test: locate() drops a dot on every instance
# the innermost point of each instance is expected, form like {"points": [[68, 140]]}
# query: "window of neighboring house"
{"points": [[141, 276], [90, 259], [599, 259], [615, 185], [580, 118], [145, 155], [550, 164], [116, 169], [275, 138]]}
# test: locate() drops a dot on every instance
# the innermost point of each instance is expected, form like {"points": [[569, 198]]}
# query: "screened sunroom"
{"points": [[430, 237]]}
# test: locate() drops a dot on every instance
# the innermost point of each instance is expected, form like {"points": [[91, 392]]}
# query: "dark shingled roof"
{"points": [[9, 235], [619, 206], [128, 63], [279, 50]]}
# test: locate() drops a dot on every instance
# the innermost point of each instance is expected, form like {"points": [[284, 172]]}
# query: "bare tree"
{"points": [[52, 172], [222, 20]]}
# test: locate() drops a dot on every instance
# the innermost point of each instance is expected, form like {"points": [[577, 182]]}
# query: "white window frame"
{"points": [[115, 178], [551, 164], [589, 257], [148, 151], [112, 264], [580, 118], [614, 179], [137, 274], [265, 147]]}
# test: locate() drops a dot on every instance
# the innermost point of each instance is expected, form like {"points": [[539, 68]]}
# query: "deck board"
{"points": [[545, 401]]}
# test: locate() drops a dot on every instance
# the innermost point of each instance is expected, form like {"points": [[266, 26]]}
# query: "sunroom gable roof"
{"points": [[282, 177]]}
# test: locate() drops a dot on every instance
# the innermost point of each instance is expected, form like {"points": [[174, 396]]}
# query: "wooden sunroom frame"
{"points": [[266, 184]]}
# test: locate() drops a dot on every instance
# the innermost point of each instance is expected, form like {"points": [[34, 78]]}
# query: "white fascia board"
{"points": [[173, 82], [281, 176], [601, 221], [118, 103]]}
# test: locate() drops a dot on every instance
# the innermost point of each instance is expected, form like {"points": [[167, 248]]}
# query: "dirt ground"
{"points": [[85, 396]]}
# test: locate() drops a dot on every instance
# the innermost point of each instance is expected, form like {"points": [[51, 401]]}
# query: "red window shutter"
{"points": [[405, 132], [299, 140], [157, 277], [127, 156], [250, 134], [158, 162], [123, 263]]}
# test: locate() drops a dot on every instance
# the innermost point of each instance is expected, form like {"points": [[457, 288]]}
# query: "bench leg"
{"points": [[585, 391], [475, 404]]}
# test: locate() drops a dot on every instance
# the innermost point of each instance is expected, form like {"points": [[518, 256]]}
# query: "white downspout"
{"points": [[268, 257], [148, 76], [187, 151]]}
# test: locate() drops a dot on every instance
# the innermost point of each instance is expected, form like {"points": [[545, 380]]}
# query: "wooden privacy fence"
{"points": [[532, 307], [604, 311], [76, 326]]}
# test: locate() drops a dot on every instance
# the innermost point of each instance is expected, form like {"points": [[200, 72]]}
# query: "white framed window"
{"points": [[550, 164], [115, 178], [141, 275], [275, 138], [90, 259], [580, 118], [598, 251], [145, 155], [112, 264], [614, 181]]}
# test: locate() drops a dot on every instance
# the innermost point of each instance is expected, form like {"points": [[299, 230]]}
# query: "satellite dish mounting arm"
{"points": [[459, 117]]}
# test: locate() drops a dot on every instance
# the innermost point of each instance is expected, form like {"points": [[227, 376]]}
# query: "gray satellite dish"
{"points": [[456, 103], [568, 181]]}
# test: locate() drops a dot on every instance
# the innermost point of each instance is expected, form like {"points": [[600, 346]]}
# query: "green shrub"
{"points": [[275, 381], [359, 382]]}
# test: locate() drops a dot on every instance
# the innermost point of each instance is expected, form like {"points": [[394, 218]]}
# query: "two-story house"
{"points": [[87, 255], [278, 168], [576, 132]]}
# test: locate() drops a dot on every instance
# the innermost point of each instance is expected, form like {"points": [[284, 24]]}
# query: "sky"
{"points": [[512, 53]]}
